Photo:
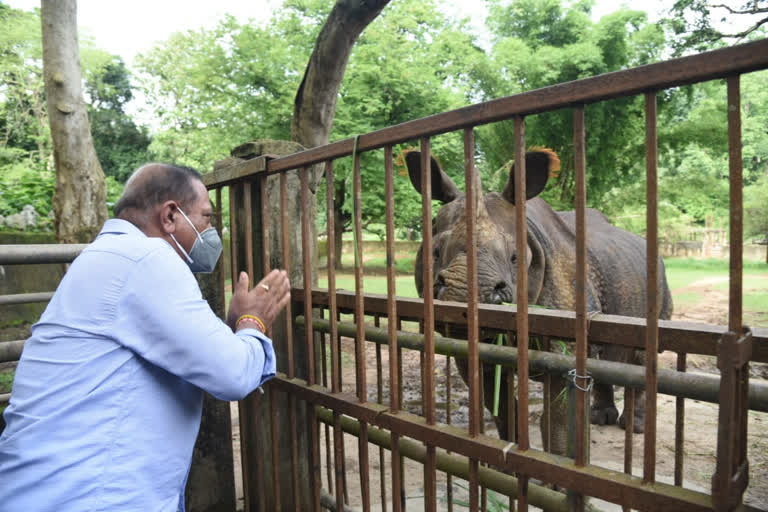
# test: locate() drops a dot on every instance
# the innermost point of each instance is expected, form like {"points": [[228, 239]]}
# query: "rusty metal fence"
{"points": [[307, 402], [516, 469]]}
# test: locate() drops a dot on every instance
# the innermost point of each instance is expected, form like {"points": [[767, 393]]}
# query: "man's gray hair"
{"points": [[168, 182]]}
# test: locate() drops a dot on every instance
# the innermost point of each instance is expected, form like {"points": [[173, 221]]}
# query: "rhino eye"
{"points": [[514, 259], [436, 253]]}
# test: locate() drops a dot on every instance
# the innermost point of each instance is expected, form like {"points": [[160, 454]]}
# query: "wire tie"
{"points": [[590, 381]]}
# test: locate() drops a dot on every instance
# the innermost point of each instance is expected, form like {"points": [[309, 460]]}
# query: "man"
{"points": [[107, 397]]}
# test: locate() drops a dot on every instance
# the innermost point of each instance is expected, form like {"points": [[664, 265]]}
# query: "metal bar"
{"points": [[361, 382], [314, 441], [248, 207], [324, 370], [652, 287], [703, 387], [233, 236], [731, 473], [591, 480], [311, 377], [397, 475], [736, 239], [521, 237], [626, 331], [222, 277], [25, 298], [630, 82], [391, 302], [582, 392], [29, 254], [430, 482], [332, 310], [11, 350], [449, 477], [338, 453], [275, 432], [471, 205], [392, 323], [546, 434], [629, 412], [360, 359], [680, 427], [286, 247], [380, 400], [265, 248], [307, 270]]}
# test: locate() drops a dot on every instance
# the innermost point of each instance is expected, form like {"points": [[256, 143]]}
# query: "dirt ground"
{"points": [[607, 442]]}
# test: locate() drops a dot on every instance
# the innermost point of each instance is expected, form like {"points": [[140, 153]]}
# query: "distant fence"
{"points": [[698, 249], [686, 248]]}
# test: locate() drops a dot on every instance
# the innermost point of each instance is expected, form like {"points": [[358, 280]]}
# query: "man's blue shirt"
{"points": [[107, 398]]}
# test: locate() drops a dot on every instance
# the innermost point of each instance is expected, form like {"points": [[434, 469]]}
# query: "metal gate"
{"points": [[513, 469]]}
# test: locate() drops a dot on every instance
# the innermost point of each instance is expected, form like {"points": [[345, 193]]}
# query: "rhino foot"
{"points": [[603, 415], [638, 426]]}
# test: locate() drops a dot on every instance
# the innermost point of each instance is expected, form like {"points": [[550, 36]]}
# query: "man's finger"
{"points": [[242, 283]]}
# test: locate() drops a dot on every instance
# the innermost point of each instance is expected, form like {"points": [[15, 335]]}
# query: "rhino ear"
{"points": [[540, 165], [443, 188]]}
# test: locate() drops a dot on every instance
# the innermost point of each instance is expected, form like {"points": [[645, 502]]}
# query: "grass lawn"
{"points": [[404, 284]]}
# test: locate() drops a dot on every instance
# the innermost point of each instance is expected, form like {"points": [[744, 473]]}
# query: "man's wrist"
{"points": [[251, 321]]}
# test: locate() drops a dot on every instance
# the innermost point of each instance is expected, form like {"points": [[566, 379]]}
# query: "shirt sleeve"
{"points": [[163, 318]]}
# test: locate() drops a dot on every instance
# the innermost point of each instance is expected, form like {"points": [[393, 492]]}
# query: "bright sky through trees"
{"points": [[127, 32]]}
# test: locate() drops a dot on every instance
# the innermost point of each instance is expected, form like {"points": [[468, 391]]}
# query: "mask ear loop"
{"points": [[181, 249], [184, 252], [190, 223]]}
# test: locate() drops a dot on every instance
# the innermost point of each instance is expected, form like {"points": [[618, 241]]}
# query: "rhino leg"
{"points": [[639, 420], [603, 410]]}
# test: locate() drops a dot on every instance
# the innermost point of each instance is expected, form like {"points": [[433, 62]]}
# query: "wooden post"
{"points": [[256, 410]]}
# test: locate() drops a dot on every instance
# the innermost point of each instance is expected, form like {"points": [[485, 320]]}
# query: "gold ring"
{"points": [[265, 286]]}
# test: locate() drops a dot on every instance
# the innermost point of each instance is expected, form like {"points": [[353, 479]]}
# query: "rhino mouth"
{"points": [[460, 332]]}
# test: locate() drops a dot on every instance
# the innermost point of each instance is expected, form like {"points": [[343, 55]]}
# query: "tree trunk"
{"points": [[80, 200], [315, 103]]}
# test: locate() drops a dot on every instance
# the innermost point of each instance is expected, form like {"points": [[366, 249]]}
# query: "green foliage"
{"points": [[27, 182], [26, 175], [695, 24], [6, 380], [756, 208], [120, 145], [529, 53]]}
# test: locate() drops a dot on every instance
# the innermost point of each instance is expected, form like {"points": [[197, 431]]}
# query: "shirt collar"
{"points": [[120, 227]]}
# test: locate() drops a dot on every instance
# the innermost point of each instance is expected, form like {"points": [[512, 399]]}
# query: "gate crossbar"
{"points": [[688, 337], [594, 481], [701, 387]]}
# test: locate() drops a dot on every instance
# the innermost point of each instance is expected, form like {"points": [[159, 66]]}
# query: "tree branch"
{"points": [[733, 11]]}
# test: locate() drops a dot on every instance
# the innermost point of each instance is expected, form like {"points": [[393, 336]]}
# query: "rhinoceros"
{"points": [[616, 283]]}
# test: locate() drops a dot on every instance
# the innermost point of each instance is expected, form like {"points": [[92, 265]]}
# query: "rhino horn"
{"points": [[477, 195]]}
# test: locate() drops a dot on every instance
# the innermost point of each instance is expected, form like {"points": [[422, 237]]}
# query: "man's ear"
{"points": [[443, 188], [166, 215], [540, 165]]}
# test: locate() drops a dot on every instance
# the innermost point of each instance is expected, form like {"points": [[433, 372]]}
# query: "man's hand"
{"points": [[265, 300]]}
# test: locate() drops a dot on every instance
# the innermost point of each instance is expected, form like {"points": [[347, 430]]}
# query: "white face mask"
{"points": [[205, 251]]}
